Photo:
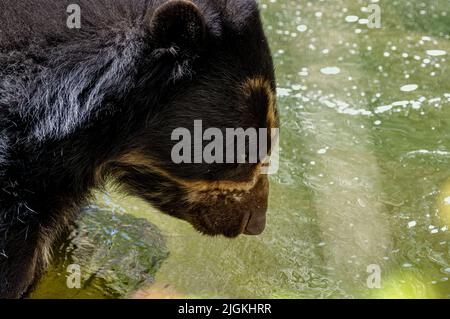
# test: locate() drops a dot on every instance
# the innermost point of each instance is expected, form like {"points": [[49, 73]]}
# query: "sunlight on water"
{"points": [[365, 164]]}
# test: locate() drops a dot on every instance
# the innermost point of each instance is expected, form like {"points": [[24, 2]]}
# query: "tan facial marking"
{"points": [[136, 158], [195, 196], [259, 83]]}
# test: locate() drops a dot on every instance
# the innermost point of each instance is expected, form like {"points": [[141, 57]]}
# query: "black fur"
{"points": [[73, 102]]}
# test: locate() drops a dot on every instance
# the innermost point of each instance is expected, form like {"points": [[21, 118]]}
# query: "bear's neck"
{"points": [[80, 113], [81, 82]]}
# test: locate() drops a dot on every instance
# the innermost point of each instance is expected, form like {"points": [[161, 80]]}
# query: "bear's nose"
{"points": [[256, 224]]}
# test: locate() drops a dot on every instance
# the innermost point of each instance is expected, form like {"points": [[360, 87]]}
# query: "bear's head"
{"points": [[215, 70]]}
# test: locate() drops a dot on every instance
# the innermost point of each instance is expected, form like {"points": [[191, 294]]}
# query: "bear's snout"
{"points": [[230, 213], [255, 224]]}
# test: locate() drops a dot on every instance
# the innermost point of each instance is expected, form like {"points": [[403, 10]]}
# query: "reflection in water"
{"points": [[115, 254], [364, 176], [345, 182], [443, 205]]}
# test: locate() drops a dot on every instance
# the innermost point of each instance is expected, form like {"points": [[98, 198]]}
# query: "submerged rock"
{"points": [[116, 253]]}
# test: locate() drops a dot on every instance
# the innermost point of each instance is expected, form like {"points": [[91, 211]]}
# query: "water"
{"points": [[365, 164]]}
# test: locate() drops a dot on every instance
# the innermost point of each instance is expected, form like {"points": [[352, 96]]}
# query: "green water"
{"points": [[365, 165]]}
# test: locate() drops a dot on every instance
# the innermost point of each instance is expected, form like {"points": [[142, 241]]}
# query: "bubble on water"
{"points": [[303, 73], [377, 122], [407, 265], [302, 28], [409, 87], [434, 100], [383, 108], [412, 224], [447, 200], [322, 151], [401, 103], [436, 52], [283, 92], [344, 108], [427, 152], [330, 70], [351, 18]]}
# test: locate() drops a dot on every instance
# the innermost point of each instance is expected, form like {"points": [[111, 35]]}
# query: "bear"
{"points": [[80, 107]]}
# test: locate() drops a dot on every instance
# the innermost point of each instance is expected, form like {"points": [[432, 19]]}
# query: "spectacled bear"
{"points": [[82, 106]]}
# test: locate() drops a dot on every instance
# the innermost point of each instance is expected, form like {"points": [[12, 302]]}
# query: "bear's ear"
{"points": [[241, 13], [179, 26]]}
